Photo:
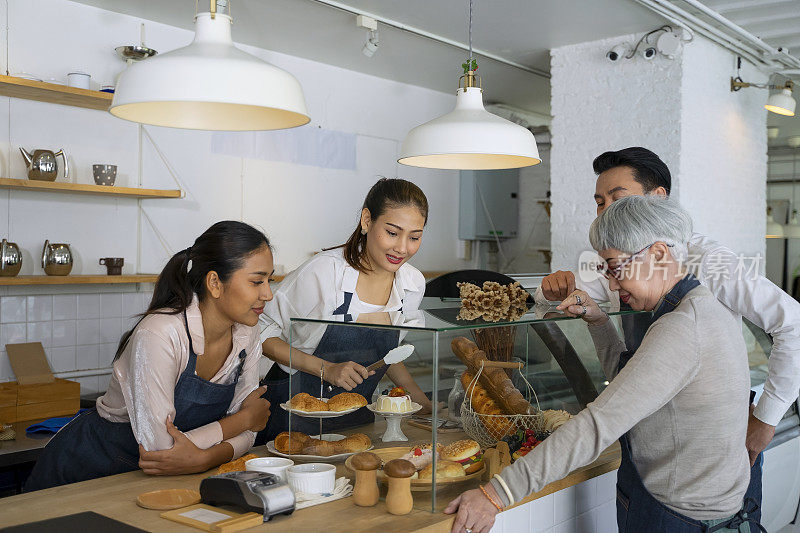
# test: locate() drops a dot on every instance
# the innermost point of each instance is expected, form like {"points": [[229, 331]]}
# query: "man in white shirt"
{"points": [[638, 171]]}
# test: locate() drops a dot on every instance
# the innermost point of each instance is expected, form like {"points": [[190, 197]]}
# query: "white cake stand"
{"points": [[393, 431]]}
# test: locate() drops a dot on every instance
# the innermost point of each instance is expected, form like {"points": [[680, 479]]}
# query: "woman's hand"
{"points": [[427, 408], [475, 512], [256, 409], [347, 375], [578, 303], [183, 458]]}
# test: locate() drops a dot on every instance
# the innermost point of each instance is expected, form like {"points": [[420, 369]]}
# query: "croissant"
{"points": [[323, 448], [494, 380]]}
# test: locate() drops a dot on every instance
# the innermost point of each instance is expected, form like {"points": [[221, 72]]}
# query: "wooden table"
{"points": [[114, 497]]}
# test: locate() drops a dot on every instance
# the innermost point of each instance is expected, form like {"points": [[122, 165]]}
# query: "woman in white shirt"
{"points": [[184, 394], [368, 279]]}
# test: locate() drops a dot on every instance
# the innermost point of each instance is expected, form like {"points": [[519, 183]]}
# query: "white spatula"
{"points": [[395, 355]]}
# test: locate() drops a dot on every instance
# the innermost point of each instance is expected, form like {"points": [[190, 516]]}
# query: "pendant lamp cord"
{"points": [[470, 31], [470, 64]]}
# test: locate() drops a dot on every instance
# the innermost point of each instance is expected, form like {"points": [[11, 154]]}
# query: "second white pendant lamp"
{"points": [[469, 137], [210, 85]]}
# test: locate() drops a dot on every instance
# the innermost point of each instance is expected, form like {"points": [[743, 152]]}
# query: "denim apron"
{"points": [[637, 509], [339, 343], [91, 446]]}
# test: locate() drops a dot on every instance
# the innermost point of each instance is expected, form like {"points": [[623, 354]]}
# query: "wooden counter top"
{"points": [[114, 496]]}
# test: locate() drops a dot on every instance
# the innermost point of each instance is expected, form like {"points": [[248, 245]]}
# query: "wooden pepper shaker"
{"points": [[365, 493], [398, 499]]}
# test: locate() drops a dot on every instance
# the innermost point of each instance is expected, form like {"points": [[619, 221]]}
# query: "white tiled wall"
{"points": [[589, 507], [78, 331]]}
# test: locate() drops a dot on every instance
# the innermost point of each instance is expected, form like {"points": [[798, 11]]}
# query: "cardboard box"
{"points": [[37, 393], [8, 402]]}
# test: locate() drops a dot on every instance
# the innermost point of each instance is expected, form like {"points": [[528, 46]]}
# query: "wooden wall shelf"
{"points": [[54, 93], [85, 188], [78, 280]]}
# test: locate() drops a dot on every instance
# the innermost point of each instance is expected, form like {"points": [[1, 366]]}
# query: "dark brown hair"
{"points": [[223, 248], [387, 193]]}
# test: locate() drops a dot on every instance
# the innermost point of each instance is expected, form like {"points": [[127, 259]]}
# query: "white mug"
{"points": [[270, 465], [80, 80]]}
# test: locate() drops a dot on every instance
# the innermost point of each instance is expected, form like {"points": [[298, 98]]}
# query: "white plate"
{"points": [[332, 437], [414, 408], [318, 414]]}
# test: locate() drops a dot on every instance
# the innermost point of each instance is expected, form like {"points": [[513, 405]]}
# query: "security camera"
{"points": [[617, 53], [649, 53]]}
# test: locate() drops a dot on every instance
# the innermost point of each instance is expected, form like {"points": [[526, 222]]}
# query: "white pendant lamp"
{"points": [[469, 137], [210, 85], [782, 103]]}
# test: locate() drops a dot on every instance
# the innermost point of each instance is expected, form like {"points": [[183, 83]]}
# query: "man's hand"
{"points": [[558, 285], [759, 435], [183, 458]]}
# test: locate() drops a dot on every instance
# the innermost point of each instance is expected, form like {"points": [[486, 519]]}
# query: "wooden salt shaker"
{"points": [[398, 499], [365, 493]]}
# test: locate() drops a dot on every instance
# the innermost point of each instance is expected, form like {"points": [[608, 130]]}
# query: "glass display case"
{"points": [[548, 358]]}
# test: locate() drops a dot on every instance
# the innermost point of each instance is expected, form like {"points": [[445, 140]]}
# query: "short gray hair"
{"points": [[635, 222]]}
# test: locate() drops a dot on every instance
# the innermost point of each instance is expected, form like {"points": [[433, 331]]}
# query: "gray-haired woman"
{"points": [[678, 405]]}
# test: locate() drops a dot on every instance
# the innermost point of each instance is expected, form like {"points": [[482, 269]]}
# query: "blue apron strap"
{"points": [[345, 307], [740, 518]]}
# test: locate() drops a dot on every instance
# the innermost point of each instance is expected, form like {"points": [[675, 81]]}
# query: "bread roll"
{"points": [[305, 402], [237, 465], [444, 469], [355, 443], [291, 443], [321, 448], [483, 404], [346, 401], [494, 380]]}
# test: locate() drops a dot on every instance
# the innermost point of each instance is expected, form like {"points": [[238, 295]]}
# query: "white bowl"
{"points": [[312, 478], [270, 465]]}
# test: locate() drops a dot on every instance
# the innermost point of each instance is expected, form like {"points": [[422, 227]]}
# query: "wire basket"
{"points": [[487, 430]]}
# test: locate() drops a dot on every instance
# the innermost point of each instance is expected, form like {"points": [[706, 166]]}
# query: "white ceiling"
{"points": [[522, 31], [519, 30]]}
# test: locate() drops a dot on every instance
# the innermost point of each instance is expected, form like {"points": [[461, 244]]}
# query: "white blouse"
{"points": [[318, 287], [143, 382]]}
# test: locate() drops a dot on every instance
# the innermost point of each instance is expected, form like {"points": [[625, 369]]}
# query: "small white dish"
{"points": [[312, 478], [270, 465]]}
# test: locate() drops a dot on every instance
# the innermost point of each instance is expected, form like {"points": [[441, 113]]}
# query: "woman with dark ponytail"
{"points": [[184, 395], [363, 280]]}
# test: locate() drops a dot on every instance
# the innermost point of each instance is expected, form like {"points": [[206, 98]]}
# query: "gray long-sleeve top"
{"points": [[684, 399]]}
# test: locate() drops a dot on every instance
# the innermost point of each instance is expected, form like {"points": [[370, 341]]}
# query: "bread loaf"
{"points": [[494, 380], [483, 404], [291, 443]]}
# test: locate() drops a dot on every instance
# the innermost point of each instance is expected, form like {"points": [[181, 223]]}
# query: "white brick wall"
{"points": [[713, 140], [588, 507], [78, 331]]}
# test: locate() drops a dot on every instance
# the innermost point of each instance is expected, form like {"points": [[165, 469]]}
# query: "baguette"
{"points": [[483, 404], [494, 380]]}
